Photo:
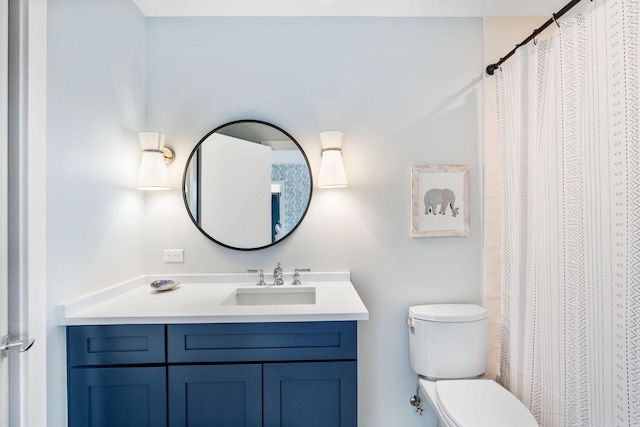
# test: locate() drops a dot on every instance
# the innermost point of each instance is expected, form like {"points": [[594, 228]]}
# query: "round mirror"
{"points": [[247, 185]]}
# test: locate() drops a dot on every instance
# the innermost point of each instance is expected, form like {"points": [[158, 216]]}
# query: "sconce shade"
{"points": [[153, 174], [332, 174]]}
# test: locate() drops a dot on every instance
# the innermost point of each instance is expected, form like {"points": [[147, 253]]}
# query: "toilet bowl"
{"points": [[474, 403], [448, 347]]}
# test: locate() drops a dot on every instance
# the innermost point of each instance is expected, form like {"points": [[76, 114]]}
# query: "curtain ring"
{"points": [[553, 16], [535, 42]]}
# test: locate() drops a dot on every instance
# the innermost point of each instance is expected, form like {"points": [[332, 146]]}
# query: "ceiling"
{"points": [[372, 8]]}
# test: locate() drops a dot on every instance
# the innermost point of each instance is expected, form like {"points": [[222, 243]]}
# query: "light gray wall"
{"points": [[96, 107], [404, 92]]}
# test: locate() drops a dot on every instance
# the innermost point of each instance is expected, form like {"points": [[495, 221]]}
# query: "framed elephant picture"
{"points": [[439, 201]]}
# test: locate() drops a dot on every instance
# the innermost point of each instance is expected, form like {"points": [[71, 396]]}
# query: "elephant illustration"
{"points": [[442, 197]]}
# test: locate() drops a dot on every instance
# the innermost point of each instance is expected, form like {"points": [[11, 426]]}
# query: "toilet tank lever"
{"points": [[410, 321]]}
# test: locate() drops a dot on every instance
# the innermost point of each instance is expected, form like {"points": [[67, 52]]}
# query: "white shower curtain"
{"points": [[568, 126]]}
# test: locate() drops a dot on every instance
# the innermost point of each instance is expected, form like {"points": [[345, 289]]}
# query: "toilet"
{"points": [[448, 351]]}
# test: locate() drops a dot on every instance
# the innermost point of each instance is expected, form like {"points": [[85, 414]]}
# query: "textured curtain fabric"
{"points": [[568, 127]]}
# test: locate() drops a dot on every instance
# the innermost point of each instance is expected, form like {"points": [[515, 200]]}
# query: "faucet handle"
{"points": [[296, 275], [261, 281]]}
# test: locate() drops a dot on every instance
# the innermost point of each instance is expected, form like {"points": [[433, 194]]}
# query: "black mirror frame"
{"points": [[194, 151]]}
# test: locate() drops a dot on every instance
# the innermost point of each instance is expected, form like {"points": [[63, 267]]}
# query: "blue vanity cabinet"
{"points": [[116, 376], [288, 374], [307, 373]]}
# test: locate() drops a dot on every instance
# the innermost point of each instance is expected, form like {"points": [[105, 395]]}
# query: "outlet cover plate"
{"points": [[174, 255]]}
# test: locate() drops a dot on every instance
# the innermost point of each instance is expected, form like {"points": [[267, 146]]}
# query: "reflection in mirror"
{"points": [[247, 185]]}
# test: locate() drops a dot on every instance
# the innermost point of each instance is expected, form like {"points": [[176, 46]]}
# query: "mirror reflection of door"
{"points": [[236, 173]]}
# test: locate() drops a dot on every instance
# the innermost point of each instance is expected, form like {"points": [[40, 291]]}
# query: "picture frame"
{"points": [[439, 201]]}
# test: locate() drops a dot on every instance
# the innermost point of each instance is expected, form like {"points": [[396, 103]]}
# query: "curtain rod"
{"points": [[554, 18]]}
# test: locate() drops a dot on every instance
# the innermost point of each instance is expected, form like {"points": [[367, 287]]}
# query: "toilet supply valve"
{"points": [[296, 275], [415, 402], [261, 281]]}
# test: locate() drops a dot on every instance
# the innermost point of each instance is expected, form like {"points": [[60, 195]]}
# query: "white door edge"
{"points": [[27, 200], [35, 406], [4, 239]]}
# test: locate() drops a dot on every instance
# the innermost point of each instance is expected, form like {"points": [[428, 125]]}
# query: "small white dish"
{"points": [[163, 285]]}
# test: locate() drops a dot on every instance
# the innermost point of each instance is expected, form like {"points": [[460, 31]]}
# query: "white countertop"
{"points": [[198, 299]]}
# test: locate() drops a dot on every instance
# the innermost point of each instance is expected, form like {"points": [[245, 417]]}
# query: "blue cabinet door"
{"points": [[322, 394], [117, 397], [215, 395]]}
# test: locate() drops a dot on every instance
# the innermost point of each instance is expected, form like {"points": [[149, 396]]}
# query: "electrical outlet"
{"points": [[174, 255]]}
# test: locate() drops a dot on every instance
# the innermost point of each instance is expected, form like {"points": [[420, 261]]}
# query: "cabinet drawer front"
{"points": [[245, 342], [115, 345]]}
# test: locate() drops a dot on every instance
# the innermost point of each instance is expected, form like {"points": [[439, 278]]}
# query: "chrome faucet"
{"points": [[277, 276], [296, 275]]}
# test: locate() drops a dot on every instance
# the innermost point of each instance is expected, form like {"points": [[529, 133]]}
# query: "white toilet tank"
{"points": [[448, 341]]}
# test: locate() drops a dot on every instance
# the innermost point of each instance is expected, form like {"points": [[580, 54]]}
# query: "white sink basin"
{"points": [[271, 296]]}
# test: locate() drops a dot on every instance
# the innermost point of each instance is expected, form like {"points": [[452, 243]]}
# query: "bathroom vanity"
{"points": [[201, 355]]}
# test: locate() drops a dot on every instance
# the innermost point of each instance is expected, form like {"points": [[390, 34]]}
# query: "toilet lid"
{"points": [[448, 312], [482, 403]]}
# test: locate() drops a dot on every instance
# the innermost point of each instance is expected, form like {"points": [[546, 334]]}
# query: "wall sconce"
{"points": [[153, 174], [332, 173]]}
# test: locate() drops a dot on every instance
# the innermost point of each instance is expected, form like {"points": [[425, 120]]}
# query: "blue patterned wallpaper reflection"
{"points": [[297, 187]]}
